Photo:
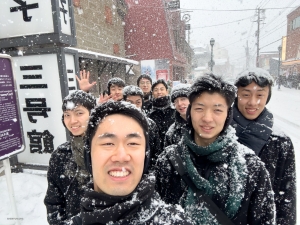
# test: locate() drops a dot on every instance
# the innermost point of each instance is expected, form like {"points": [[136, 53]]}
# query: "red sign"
{"points": [[162, 74]]}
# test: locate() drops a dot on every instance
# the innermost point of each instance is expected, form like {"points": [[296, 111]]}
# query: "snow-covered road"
{"points": [[30, 189]]}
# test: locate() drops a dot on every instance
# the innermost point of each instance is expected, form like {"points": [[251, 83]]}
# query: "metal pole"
{"points": [[11, 194], [211, 60], [258, 30]]}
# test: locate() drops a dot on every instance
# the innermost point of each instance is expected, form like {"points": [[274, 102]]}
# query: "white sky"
{"points": [[233, 36]]}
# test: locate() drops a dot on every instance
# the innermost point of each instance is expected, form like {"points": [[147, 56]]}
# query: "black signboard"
{"points": [[174, 4], [11, 134]]}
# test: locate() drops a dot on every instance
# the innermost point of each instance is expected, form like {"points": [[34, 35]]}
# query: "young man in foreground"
{"points": [[254, 127], [210, 166], [121, 190]]}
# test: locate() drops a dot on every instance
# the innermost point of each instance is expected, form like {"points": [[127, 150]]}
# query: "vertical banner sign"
{"points": [[38, 84], [11, 136], [70, 67]]}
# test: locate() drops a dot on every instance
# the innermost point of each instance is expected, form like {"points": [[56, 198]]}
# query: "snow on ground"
{"points": [[30, 188]]}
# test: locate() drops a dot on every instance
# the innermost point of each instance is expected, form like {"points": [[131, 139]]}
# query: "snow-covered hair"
{"points": [[109, 108], [115, 81], [159, 81], [260, 76], [211, 83], [180, 90], [78, 98], [132, 90]]}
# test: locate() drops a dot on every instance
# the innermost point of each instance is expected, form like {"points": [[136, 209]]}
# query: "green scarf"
{"points": [[223, 150]]}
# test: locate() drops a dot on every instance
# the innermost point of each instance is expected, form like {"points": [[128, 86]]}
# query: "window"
{"points": [[108, 15]]}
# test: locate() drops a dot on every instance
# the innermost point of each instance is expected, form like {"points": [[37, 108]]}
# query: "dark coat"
{"points": [[257, 206], [143, 206], [175, 131], [279, 157], [163, 116], [154, 142], [64, 190], [147, 103]]}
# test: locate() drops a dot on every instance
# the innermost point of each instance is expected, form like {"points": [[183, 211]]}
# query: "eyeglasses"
{"points": [[143, 82]]}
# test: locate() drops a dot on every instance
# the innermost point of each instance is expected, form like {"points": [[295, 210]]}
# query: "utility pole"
{"points": [[259, 19], [257, 35], [247, 56]]}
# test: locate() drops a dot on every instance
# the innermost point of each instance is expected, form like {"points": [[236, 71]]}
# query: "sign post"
{"points": [[11, 134]]}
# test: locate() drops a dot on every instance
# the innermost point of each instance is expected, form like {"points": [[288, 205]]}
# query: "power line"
{"points": [[222, 23], [233, 10], [270, 43], [274, 31]]}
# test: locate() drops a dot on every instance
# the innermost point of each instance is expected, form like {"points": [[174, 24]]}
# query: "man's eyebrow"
{"points": [[220, 105], [199, 104], [133, 135], [107, 135]]}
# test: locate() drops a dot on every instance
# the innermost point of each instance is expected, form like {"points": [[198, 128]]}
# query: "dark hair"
{"points": [[109, 108], [78, 98], [180, 90], [115, 81], [145, 76], [213, 84], [159, 81], [132, 90], [260, 76]]}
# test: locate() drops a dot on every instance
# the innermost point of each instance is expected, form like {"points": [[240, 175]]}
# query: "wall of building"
{"points": [[100, 27], [293, 37], [146, 30]]}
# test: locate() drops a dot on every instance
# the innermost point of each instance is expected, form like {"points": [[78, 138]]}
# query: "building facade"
{"points": [[155, 35]]}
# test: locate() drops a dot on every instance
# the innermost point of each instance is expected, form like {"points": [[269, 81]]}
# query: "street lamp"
{"points": [[279, 80], [212, 42]]}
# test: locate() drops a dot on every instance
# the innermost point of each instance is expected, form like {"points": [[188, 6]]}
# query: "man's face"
{"points": [[181, 105], [252, 100], [118, 155], [145, 85], [136, 100], [208, 114], [116, 91], [76, 120], [159, 91]]}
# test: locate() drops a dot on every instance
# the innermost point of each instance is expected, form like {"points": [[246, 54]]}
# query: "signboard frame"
{"points": [[40, 39], [17, 151]]}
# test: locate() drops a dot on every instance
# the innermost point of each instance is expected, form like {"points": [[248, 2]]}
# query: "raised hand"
{"points": [[83, 81], [105, 98]]}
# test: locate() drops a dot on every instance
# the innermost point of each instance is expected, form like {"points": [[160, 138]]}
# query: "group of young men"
{"points": [[205, 154]]}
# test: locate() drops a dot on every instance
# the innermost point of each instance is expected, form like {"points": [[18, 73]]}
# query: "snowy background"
{"points": [[30, 186]]}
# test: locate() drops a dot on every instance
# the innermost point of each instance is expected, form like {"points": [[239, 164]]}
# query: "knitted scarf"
{"points": [[253, 133], [100, 208], [222, 150], [77, 143], [161, 103]]}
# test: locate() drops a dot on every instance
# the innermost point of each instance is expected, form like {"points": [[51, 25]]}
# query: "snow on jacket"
{"points": [[277, 152], [65, 186], [147, 103], [154, 142], [256, 205], [143, 206], [174, 133], [163, 114]]}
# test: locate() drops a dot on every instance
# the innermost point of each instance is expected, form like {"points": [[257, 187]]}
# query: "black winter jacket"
{"points": [[147, 103], [64, 190], [279, 158], [175, 131], [163, 116], [257, 206], [154, 142], [143, 206]]}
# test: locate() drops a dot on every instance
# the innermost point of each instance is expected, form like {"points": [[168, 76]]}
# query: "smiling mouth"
{"points": [[119, 173], [206, 128]]}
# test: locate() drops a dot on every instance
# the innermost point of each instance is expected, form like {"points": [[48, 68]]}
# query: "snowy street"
{"points": [[30, 189]]}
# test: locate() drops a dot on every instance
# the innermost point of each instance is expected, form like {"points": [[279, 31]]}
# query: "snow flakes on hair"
{"points": [[78, 98], [159, 81], [180, 90], [260, 76], [132, 90]]}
